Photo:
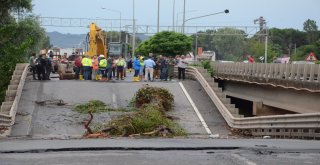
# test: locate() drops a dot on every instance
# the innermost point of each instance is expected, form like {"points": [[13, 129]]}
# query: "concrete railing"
{"points": [[293, 125], [295, 76], [8, 108]]}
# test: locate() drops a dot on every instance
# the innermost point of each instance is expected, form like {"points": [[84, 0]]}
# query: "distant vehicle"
{"points": [[117, 49]]}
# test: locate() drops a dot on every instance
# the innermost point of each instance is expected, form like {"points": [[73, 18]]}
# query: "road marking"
{"points": [[114, 101], [204, 124], [247, 161]]}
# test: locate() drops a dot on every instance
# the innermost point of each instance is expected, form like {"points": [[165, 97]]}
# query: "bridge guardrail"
{"points": [[295, 76], [9, 107], [291, 125]]}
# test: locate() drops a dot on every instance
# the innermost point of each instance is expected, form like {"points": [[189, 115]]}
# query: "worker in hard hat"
{"points": [[103, 67], [86, 65]]}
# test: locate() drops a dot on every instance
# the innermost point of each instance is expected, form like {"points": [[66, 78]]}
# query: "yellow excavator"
{"points": [[96, 41]]}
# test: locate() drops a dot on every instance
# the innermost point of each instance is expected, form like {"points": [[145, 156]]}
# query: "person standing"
{"points": [[164, 68], [120, 66], [136, 67], [77, 67], [172, 62], [156, 71], [49, 67], [142, 68], [109, 68], [86, 65], [103, 67], [95, 68], [43, 64], [182, 67], [149, 64], [32, 62]]}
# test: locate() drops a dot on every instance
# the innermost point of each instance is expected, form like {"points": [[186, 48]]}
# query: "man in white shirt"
{"points": [[182, 63], [149, 64]]}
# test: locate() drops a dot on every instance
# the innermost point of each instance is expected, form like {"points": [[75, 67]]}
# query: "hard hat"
{"points": [[101, 55]]}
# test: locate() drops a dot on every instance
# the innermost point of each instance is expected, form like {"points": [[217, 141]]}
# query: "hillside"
{"points": [[74, 40]]}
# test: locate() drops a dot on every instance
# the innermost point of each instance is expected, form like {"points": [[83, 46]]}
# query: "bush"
{"points": [[154, 95]]}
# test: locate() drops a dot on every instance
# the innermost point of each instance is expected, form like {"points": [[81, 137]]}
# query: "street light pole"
{"points": [[158, 24], [225, 11], [184, 15], [120, 37], [133, 30], [174, 5]]}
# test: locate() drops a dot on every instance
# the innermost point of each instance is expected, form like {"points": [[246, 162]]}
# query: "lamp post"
{"points": [[184, 15], [184, 21], [120, 20], [174, 5], [177, 21], [133, 30], [158, 21]]}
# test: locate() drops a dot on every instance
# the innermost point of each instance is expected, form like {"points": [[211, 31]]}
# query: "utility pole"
{"points": [[263, 27], [133, 31]]}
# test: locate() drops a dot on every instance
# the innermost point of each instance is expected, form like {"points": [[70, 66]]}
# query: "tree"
{"points": [[310, 26], [166, 43], [7, 7], [229, 47], [18, 39]]}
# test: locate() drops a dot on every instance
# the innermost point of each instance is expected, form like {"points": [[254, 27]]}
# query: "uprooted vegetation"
{"points": [[148, 117]]}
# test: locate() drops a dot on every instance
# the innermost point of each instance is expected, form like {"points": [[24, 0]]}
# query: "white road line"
{"points": [[204, 124], [114, 101], [241, 158]]}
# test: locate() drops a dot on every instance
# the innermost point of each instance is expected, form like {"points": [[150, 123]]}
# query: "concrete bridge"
{"points": [[279, 100]]}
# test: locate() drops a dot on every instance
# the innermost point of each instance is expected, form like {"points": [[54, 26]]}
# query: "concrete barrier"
{"points": [[12, 87], [9, 107], [11, 93]]}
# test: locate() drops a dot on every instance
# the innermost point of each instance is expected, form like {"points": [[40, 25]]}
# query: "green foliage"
{"points": [[148, 119], [310, 26], [154, 95], [152, 102], [166, 43], [93, 106], [207, 65], [18, 39]]}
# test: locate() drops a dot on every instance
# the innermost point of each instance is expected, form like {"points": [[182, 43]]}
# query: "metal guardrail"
{"points": [[293, 125], [7, 119], [294, 76]]}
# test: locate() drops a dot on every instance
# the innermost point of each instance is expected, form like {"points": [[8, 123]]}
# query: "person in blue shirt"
{"points": [[136, 67], [149, 64]]}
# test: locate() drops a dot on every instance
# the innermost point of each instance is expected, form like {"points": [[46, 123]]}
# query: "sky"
{"points": [[277, 13]]}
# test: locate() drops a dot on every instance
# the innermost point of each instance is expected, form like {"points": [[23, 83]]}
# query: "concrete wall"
{"points": [[287, 99]]}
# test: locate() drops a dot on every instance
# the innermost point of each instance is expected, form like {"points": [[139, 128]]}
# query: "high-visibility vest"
{"points": [[103, 63], [86, 62], [95, 64], [120, 62]]}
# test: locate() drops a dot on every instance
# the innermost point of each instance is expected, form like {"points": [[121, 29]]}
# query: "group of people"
{"points": [[100, 68], [114, 67], [162, 68], [40, 66]]}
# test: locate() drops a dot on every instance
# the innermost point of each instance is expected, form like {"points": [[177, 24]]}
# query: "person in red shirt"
{"points": [[251, 59], [77, 66]]}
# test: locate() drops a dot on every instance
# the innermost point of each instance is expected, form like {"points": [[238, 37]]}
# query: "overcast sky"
{"points": [[278, 13]]}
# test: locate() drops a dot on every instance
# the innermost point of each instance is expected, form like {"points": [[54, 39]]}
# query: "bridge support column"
{"points": [[257, 107]]}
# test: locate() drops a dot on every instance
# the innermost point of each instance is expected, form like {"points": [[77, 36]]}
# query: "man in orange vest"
{"points": [[95, 68]]}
